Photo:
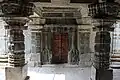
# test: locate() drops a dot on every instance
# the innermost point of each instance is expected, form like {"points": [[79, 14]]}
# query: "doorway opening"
{"points": [[59, 48]]}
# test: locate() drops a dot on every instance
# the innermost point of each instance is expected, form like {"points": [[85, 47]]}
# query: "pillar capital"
{"points": [[104, 10], [17, 8], [16, 22], [104, 14]]}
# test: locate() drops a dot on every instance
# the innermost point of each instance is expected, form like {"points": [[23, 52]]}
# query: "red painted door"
{"points": [[60, 48]]}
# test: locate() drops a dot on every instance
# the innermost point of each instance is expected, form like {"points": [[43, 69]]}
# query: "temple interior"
{"points": [[59, 40]]}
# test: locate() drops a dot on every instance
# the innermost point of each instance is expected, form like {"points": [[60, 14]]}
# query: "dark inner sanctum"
{"points": [[59, 47]]}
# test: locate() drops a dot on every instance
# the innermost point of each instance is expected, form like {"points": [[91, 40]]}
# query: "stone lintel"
{"points": [[16, 27], [107, 29], [37, 21]]}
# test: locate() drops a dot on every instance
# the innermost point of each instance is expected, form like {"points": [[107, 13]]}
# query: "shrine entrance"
{"points": [[60, 48], [59, 45]]}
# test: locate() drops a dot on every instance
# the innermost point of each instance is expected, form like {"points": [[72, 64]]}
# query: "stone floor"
{"points": [[60, 73]]}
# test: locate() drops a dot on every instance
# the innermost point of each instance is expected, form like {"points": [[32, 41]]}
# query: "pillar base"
{"points": [[104, 74], [97, 74], [16, 73]]}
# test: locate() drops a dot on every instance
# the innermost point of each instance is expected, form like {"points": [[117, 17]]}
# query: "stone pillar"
{"points": [[102, 54], [16, 56], [74, 52], [102, 49], [46, 50], [104, 15], [15, 14], [16, 42]]}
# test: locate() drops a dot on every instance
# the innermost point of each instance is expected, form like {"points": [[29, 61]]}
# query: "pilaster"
{"points": [[74, 52]]}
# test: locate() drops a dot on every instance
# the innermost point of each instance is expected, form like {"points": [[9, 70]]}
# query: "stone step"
{"points": [[115, 56], [115, 66], [115, 59], [115, 63], [3, 60]]}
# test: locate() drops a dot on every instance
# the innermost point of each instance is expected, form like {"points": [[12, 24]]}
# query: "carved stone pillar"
{"points": [[15, 13], [16, 41], [102, 49], [104, 15], [102, 53]]}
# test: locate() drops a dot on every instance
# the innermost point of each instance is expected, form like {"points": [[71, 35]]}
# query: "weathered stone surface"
{"points": [[16, 73], [34, 60], [85, 60], [53, 73], [104, 74]]}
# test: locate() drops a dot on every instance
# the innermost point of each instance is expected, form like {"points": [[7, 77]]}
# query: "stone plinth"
{"points": [[16, 73]]}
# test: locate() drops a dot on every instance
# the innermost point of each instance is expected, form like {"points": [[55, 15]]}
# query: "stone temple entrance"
{"points": [[59, 45], [60, 48]]}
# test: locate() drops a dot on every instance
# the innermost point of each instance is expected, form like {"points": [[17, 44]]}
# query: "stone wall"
{"points": [[86, 54]]}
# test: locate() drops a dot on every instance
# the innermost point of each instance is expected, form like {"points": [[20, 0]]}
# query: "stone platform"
{"points": [[60, 73]]}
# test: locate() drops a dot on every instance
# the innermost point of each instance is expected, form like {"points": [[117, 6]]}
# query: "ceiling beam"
{"points": [[40, 0]]}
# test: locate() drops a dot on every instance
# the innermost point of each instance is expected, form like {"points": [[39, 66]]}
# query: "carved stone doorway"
{"points": [[60, 48]]}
